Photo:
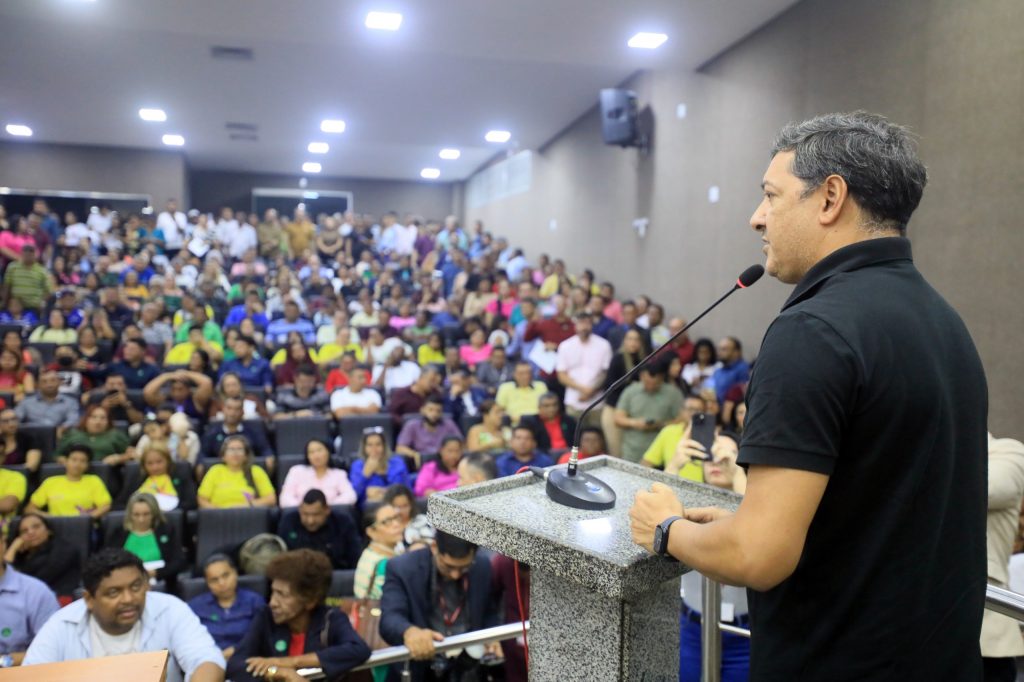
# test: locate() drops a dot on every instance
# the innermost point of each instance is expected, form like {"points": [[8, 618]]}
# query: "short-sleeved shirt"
{"points": [[30, 285], [869, 376], [13, 483], [662, 406], [62, 497], [227, 488], [663, 449], [584, 363], [518, 401], [227, 626], [417, 435], [25, 605]]}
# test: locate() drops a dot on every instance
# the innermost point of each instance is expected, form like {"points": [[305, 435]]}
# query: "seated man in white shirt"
{"points": [[397, 372], [355, 398], [119, 616]]}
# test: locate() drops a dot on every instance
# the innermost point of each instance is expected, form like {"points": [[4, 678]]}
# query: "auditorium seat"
{"points": [[293, 434], [351, 429], [41, 436], [100, 469], [283, 464], [225, 529], [75, 531], [135, 396], [342, 583], [46, 351], [193, 587]]}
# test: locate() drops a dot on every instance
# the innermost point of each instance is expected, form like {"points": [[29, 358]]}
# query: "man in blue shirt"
{"points": [[524, 453], [250, 368], [278, 330], [25, 605], [118, 616], [226, 610], [137, 372], [734, 369], [252, 309]]}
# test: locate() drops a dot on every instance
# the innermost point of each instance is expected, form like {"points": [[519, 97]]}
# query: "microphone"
{"points": [[584, 491]]}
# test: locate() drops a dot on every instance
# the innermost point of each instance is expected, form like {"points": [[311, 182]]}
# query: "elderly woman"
{"points": [[147, 535], [236, 481], [95, 430], [296, 630], [34, 551]]}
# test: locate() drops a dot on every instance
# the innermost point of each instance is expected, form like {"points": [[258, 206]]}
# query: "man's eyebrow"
{"points": [[764, 183]]}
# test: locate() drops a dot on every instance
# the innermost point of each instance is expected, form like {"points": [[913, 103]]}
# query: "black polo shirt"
{"points": [[869, 376]]}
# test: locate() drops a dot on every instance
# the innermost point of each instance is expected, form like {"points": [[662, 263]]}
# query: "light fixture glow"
{"points": [[19, 130], [331, 125], [449, 154], [498, 136], [430, 173], [311, 167], [318, 148], [384, 21], [152, 115], [174, 140], [647, 41], [310, 195]]}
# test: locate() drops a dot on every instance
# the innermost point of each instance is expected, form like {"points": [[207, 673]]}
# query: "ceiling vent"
{"points": [[228, 52], [242, 127]]}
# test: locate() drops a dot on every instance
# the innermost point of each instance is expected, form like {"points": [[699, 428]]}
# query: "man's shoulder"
{"points": [[410, 563]]}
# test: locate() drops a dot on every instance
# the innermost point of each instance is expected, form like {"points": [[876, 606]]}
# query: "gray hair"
{"points": [[147, 499], [877, 159]]}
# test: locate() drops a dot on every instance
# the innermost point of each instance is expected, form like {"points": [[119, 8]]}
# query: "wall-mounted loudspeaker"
{"points": [[619, 117]]}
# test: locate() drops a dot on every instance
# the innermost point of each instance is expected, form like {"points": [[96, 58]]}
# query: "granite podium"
{"points": [[601, 608]]}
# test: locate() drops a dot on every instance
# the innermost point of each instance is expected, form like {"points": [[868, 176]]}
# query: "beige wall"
{"points": [[32, 165], [948, 69]]}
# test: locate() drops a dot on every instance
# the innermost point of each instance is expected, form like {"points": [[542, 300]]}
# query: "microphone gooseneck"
{"points": [[746, 279]]}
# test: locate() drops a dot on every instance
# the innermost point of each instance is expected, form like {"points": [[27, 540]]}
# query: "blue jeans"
{"points": [[735, 652]]}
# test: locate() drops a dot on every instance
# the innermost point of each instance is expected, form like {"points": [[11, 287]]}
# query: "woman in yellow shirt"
{"points": [[343, 343], [76, 493], [236, 482], [431, 352], [156, 467]]}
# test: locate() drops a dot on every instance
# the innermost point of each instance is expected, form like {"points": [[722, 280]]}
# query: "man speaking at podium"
{"points": [[861, 536]]}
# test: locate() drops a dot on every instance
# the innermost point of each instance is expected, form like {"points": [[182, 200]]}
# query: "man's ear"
{"points": [[834, 195]]}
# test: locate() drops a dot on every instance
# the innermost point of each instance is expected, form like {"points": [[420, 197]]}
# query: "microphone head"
{"points": [[749, 276]]}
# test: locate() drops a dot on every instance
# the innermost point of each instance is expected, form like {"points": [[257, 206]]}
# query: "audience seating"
{"points": [[282, 465], [342, 584], [75, 531], [115, 519], [42, 437], [135, 396], [293, 434], [131, 477], [49, 469], [46, 351], [225, 529]]}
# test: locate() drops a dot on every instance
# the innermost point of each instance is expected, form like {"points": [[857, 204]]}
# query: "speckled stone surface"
{"points": [[602, 608]]}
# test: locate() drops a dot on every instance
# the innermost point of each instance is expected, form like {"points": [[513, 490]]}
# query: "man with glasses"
{"points": [[432, 595]]}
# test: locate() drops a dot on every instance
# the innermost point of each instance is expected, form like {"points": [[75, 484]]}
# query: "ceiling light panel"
{"points": [[318, 148], [430, 173], [332, 125], [647, 41], [498, 136], [449, 154], [384, 21], [174, 140], [19, 130], [157, 115], [311, 167]]}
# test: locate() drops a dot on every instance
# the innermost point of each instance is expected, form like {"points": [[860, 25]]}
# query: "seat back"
{"points": [[293, 434], [225, 529], [115, 519], [41, 436], [75, 531], [283, 465], [189, 588], [342, 583], [351, 429]]}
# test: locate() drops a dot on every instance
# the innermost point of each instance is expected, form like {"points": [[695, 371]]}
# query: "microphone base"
{"points": [[581, 491]]}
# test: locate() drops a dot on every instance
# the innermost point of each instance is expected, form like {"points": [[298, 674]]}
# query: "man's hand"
{"points": [[651, 508], [420, 642]]}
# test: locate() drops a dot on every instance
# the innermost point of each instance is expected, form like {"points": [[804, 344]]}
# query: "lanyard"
{"points": [[449, 620]]}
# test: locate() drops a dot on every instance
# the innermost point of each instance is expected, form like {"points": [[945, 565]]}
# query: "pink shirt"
{"points": [[473, 356], [585, 363], [432, 478], [302, 478], [14, 241], [507, 306]]}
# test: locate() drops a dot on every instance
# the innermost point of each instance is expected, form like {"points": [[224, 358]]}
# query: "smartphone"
{"points": [[702, 430]]}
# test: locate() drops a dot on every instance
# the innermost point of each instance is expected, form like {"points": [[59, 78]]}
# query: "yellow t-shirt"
{"points": [[426, 355], [13, 483], [280, 356], [226, 488], [62, 497], [664, 448], [332, 351], [161, 485], [520, 401], [181, 353]]}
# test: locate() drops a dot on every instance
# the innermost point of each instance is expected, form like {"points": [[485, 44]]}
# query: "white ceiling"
{"points": [[77, 71]]}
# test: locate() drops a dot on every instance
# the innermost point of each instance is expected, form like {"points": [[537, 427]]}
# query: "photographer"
{"points": [[113, 396]]}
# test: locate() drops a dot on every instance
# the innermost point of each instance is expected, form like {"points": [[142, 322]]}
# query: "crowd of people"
{"points": [[152, 363]]}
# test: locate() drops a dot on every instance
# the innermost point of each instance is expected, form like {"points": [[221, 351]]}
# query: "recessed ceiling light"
{"points": [[647, 41], [174, 140], [430, 173], [311, 167], [450, 154], [19, 130], [332, 125], [152, 115], [384, 21], [498, 136], [318, 148]]}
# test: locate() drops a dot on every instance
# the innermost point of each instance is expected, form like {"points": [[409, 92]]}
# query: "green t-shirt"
{"points": [[662, 406], [144, 546], [111, 442]]}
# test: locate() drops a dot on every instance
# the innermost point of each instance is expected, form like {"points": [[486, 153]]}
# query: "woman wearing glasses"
{"points": [[376, 467], [384, 527]]}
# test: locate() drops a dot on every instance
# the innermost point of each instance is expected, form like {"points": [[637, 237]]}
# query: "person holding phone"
{"points": [[646, 407]]}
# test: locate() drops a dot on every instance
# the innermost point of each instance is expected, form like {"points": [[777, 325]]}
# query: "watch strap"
{"points": [[665, 526]]}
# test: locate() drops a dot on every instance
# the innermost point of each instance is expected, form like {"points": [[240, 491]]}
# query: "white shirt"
{"points": [[106, 644], [401, 376], [584, 363], [224, 231], [405, 239], [345, 397], [243, 239], [99, 223], [380, 354], [173, 227], [74, 234]]}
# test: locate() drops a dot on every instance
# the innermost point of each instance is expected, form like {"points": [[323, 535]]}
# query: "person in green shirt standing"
{"points": [[645, 408], [27, 280]]}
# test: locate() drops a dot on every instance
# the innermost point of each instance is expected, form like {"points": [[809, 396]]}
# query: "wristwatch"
{"points": [[661, 537]]}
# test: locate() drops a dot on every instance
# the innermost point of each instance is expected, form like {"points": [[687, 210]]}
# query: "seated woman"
{"points": [[227, 610], [16, 447], [296, 630], [431, 352], [383, 526], [55, 331], [442, 473], [95, 430], [14, 376], [236, 482], [489, 435], [174, 435], [317, 473], [75, 493], [417, 531], [35, 551], [230, 386], [477, 350], [89, 348], [146, 534], [376, 467], [157, 476]]}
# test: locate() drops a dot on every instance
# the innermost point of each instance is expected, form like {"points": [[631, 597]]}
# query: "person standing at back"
{"points": [[861, 536]]}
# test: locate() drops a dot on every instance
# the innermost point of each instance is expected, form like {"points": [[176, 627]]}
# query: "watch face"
{"points": [[659, 539]]}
